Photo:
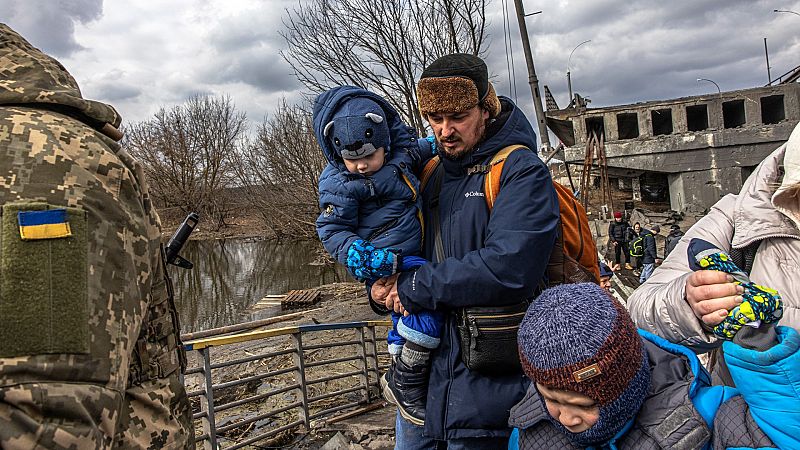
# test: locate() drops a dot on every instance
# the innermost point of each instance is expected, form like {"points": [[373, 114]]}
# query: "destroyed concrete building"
{"points": [[688, 151]]}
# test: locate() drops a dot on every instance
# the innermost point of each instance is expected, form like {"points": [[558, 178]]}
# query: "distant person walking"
{"points": [[636, 247], [674, 236], [618, 233], [650, 257]]}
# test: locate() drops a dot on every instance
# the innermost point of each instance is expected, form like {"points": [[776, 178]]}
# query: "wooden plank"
{"points": [[244, 326], [301, 297]]}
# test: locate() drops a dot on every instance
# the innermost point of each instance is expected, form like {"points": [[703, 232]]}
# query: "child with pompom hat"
{"points": [[598, 382]]}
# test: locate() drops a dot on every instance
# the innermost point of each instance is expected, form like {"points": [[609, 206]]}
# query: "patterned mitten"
{"points": [[760, 304], [367, 263]]}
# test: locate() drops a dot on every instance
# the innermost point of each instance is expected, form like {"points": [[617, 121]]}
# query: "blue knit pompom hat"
{"points": [[576, 337]]}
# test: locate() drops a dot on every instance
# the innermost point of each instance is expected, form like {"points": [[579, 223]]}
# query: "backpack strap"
{"points": [[433, 171], [427, 172], [491, 182]]}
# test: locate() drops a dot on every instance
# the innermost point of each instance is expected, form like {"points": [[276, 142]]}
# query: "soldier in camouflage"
{"points": [[89, 349]]}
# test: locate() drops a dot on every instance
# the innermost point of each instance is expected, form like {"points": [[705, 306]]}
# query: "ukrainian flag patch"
{"points": [[47, 224]]}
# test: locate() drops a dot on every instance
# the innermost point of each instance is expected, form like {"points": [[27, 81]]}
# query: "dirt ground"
{"points": [[341, 302]]}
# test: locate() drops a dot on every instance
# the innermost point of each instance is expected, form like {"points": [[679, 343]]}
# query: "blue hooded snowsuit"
{"points": [[383, 208], [492, 259]]}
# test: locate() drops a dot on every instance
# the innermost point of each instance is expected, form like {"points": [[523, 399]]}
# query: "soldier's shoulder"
{"points": [[43, 148]]}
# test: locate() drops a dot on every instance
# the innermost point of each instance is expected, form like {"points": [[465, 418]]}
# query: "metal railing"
{"points": [[274, 381]]}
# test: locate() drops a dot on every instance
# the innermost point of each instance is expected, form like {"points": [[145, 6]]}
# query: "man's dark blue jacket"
{"points": [[492, 259]]}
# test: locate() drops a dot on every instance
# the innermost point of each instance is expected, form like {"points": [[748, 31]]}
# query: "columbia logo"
{"points": [[473, 194]]}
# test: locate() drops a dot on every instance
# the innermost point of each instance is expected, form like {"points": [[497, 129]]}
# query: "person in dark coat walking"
{"points": [[650, 257], [618, 233], [674, 236], [489, 259]]}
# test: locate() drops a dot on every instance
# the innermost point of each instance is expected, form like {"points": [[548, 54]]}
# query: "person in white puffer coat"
{"points": [[682, 306]]}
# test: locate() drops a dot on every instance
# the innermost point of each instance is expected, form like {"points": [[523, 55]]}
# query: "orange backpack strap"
{"points": [[427, 172], [491, 182]]}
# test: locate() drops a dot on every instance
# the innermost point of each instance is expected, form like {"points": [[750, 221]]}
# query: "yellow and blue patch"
{"points": [[47, 224]]}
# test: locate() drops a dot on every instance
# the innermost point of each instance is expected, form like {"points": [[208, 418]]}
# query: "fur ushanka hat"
{"points": [[455, 83]]}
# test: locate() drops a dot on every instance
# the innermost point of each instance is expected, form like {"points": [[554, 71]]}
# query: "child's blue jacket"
{"points": [[383, 208]]}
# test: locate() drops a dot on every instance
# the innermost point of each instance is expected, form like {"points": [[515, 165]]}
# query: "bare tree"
{"points": [[187, 152], [382, 45], [279, 172]]}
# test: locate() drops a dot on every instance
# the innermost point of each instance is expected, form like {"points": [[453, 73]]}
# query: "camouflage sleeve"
{"points": [[88, 330]]}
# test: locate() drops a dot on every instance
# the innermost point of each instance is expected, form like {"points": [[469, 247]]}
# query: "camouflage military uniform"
{"points": [[89, 348]]}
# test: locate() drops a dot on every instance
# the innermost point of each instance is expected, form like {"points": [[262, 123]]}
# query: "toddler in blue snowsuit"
{"points": [[370, 202]]}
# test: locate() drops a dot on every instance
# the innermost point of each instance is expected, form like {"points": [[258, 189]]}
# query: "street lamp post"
{"points": [[711, 81], [786, 11], [569, 79], [533, 81]]}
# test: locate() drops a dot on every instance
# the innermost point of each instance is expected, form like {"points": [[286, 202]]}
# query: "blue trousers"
{"points": [[647, 270], [423, 329], [409, 437]]}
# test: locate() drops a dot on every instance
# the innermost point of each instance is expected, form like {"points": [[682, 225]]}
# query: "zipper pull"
{"points": [[473, 326], [371, 187]]}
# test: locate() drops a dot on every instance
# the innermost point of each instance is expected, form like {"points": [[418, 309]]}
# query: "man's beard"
{"points": [[458, 157], [451, 156]]}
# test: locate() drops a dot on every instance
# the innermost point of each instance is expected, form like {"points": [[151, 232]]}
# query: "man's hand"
{"points": [[711, 294], [381, 289], [385, 291], [614, 242]]}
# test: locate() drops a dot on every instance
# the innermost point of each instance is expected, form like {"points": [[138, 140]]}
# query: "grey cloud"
{"points": [[262, 68], [50, 25], [247, 51]]}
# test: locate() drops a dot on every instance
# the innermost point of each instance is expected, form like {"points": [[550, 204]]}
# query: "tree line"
{"points": [[201, 156]]}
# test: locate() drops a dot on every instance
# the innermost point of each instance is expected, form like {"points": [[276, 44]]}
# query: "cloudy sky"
{"points": [[140, 55]]}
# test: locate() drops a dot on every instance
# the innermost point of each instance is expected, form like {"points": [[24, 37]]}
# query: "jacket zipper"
{"points": [[382, 229], [371, 187], [498, 316], [449, 379], [506, 328]]}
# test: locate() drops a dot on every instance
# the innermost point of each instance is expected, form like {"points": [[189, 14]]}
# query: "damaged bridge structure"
{"points": [[694, 150]]}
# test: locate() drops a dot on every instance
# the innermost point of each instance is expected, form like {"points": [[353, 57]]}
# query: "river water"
{"points": [[229, 276]]}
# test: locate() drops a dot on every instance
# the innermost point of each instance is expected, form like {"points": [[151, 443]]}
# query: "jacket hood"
{"points": [[787, 197], [509, 128], [29, 77], [329, 101], [754, 216]]}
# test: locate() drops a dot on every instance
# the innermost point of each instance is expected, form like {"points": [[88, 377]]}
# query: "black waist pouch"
{"points": [[488, 336]]}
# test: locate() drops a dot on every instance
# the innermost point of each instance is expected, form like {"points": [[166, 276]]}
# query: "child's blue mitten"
{"points": [[760, 304], [367, 263]]}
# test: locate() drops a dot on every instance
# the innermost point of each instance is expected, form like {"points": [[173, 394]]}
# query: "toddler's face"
{"points": [[368, 164], [575, 411]]}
